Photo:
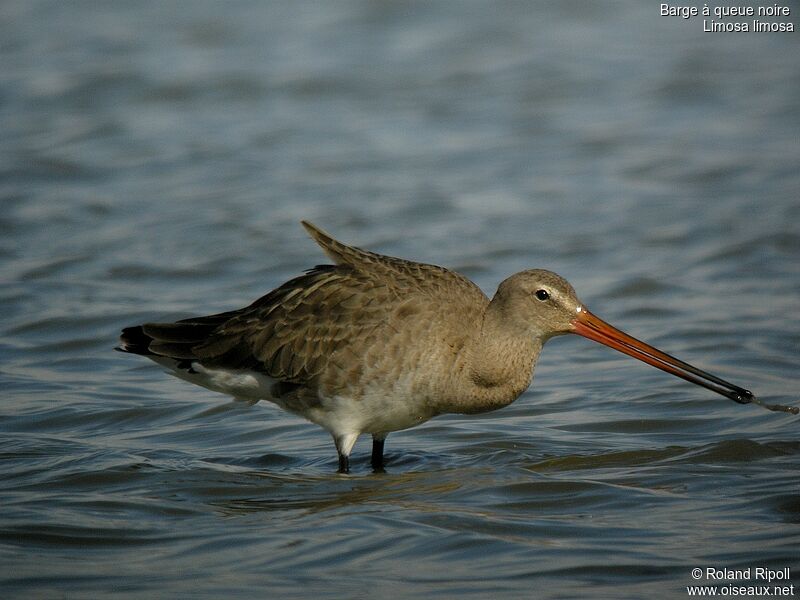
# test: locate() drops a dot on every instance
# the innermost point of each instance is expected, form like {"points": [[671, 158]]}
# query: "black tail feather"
{"points": [[172, 340], [135, 341], [189, 332]]}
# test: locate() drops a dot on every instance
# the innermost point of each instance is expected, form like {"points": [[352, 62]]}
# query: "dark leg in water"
{"points": [[344, 443], [344, 464], [377, 454]]}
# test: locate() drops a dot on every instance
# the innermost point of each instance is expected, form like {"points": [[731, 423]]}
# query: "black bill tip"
{"points": [[741, 396]]}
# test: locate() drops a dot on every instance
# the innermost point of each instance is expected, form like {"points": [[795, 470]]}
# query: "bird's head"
{"points": [[544, 304]]}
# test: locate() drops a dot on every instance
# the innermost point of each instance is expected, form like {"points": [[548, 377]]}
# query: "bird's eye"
{"points": [[542, 295]]}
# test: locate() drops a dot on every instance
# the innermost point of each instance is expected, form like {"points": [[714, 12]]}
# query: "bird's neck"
{"points": [[500, 361]]}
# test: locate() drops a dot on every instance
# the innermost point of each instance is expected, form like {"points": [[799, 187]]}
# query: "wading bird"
{"points": [[375, 344]]}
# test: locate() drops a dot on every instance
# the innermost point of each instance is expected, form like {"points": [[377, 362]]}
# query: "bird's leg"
{"points": [[344, 464], [344, 444], [377, 453]]}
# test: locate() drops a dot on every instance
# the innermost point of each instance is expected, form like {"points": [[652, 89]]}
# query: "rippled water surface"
{"points": [[155, 161]]}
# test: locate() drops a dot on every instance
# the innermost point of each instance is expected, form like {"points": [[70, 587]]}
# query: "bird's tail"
{"points": [[171, 340]]}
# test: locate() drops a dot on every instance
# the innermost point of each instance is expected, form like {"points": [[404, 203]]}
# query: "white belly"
{"points": [[376, 412]]}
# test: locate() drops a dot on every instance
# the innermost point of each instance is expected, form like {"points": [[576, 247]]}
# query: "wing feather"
{"points": [[317, 325]]}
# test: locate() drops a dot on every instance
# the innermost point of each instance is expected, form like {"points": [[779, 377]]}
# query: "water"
{"points": [[155, 164]]}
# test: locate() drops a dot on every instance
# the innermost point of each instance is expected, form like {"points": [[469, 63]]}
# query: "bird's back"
{"points": [[340, 327]]}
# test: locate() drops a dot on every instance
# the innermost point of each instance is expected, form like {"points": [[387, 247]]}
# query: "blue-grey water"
{"points": [[155, 161]]}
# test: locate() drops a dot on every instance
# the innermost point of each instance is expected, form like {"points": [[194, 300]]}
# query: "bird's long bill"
{"points": [[594, 328]]}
